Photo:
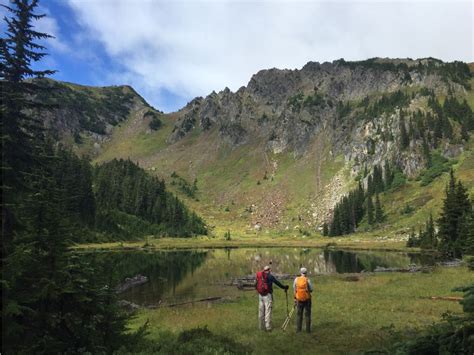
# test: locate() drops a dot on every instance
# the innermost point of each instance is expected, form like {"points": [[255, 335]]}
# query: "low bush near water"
{"points": [[193, 341]]}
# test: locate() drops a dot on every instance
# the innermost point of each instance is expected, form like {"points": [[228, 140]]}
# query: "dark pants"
{"points": [[306, 306]]}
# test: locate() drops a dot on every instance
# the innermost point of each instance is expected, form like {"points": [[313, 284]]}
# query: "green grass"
{"points": [[133, 139], [470, 94], [348, 317], [359, 241]]}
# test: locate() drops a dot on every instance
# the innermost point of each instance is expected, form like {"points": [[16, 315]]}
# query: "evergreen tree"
{"points": [[427, 153], [413, 241], [388, 175], [370, 186], [427, 238], [379, 213], [348, 213], [123, 187], [411, 130], [455, 216], [466, 233], [325, 229], [404, 138], [378, 179], [370, 210], [50, 304], [359, 203], [335, 229]]}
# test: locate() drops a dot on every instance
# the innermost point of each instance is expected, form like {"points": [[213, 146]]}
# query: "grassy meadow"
{"points": [[247, 184], [348, 317]]}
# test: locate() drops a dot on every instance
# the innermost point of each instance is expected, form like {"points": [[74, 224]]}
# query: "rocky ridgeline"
{"points": [[286, 109], [74, 113]]}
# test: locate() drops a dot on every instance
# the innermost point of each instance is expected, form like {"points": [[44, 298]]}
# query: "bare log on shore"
{"points": [[446, 298], [408, 269], [128, 306], [207, 299], [450, 263], [131, 282]]}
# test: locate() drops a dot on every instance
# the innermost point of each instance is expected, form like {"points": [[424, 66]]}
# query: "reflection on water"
{"points": [[183, 275]]}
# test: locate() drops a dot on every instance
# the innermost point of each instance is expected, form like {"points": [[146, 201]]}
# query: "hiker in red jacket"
{"points": [[264, 286]]}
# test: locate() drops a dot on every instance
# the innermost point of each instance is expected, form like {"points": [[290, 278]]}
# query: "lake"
{"points": [[178, 276]]}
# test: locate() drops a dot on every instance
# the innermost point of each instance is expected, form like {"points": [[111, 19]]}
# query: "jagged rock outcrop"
{"points": [[287, 108]]}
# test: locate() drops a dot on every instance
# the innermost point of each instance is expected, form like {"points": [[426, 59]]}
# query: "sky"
{"points": [[172, 51]]}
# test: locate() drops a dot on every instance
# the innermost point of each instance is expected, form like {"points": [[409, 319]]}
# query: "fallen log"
{"points": [[128, 306], [450, 263], [208, 299], [446, 298], [398, 269]]}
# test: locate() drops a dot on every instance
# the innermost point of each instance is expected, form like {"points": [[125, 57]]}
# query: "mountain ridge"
{"points": [[278, 157]]}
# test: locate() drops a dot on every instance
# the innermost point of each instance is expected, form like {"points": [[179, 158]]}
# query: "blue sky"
{"points": [[172, 51]]}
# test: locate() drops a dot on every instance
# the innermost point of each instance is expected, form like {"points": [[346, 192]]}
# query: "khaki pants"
{"points": [[265, 311]]}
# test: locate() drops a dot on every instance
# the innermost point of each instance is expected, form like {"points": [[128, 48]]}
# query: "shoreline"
{"points": [[210, 243]]}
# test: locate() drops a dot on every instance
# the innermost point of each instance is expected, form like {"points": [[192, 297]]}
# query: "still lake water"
{"points": [[177, 276]]}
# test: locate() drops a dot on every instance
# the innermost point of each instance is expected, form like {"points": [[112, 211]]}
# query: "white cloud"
{"points": [[193, 47]]}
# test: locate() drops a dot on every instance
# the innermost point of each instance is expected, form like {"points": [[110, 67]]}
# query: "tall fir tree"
{"points": [[427, 237], [455, 214], [412, 241], [50, 304], [426, 152], [379, 213], [325, 229], [388, 175], [370, 210], [370, 186], [404, 138]]}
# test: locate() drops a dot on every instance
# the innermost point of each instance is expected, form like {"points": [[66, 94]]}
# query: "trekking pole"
{"points": [[287, 320], [286, 292]]}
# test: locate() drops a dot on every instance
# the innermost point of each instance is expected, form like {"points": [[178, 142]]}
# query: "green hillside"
{"points": [[253, 191], [277, 156]]}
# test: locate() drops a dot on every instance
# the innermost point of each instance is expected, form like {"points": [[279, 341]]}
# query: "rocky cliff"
{"points": [[287, 108]]}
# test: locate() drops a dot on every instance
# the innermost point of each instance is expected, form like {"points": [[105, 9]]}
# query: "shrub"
{"points": [[439, 165], [470, 263], [407, 209], [399, 179], [192, 341], [304, 232], [202, 341], [155, 123]]}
